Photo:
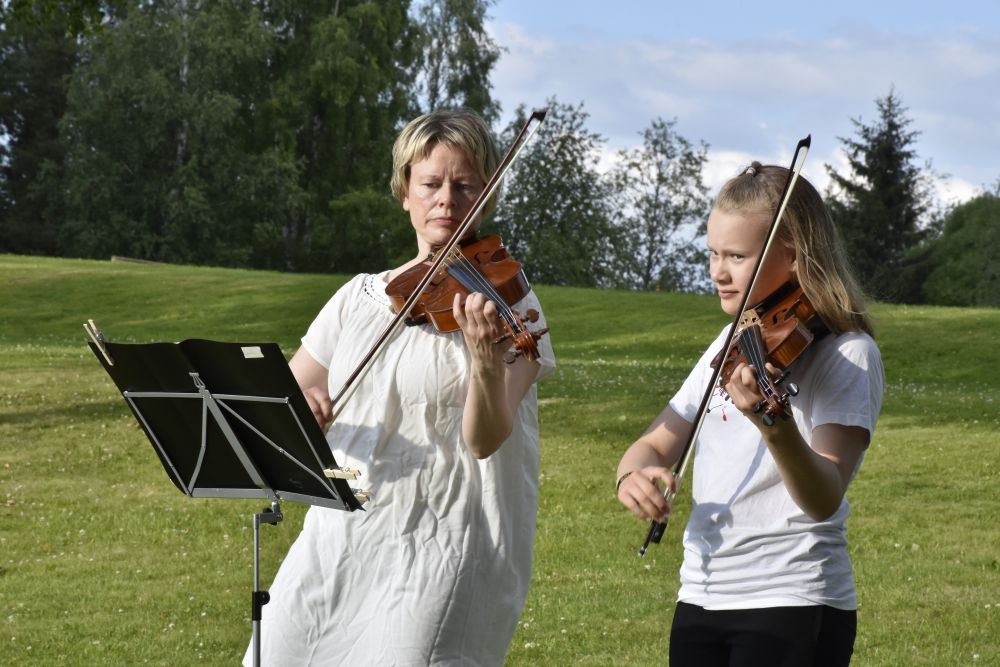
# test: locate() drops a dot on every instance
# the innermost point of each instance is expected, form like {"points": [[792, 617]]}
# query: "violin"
{"points": [[776, 331], [477, 264]]}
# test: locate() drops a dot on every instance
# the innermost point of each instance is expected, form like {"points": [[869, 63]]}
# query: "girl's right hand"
{"points": [[321, 406], [641, 493]]}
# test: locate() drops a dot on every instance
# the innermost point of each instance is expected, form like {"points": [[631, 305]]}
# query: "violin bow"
{"points": [[347, 391], [657, 528]]}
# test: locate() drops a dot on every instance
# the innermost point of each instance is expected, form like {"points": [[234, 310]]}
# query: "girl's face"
{"points": [[735, 241], [442, 189]]}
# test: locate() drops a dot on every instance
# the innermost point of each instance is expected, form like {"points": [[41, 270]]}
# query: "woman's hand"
{"points": [[481, 325], [495, 388], [641, 493], [321, 406]]}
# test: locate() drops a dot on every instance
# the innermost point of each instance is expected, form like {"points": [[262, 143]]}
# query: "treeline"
{"points": [[257, 134], [226, 132]]}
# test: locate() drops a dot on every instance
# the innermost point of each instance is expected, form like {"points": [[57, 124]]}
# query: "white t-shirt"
{"points": [[747, 544], [436, 570]]}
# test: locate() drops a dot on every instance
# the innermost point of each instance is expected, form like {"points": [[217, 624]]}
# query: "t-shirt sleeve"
{"points": [[849, 385], [546, 357], [688, 398], [324, 333]]}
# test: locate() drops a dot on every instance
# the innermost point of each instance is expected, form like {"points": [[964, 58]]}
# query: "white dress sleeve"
{"points": [[324, 333]]}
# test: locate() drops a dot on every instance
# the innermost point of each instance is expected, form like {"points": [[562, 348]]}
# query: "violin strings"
{"points": [[752, 347], [484, 286], [475, 281]]}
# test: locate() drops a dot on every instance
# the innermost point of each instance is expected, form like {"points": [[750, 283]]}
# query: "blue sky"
{"points": [[751, 79]]}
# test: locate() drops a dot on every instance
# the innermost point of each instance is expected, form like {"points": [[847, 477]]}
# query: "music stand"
{"points": [[228, 420]]}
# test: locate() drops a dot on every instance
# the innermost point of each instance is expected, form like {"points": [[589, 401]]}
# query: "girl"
{"points": [[436, 571], [766, 579]]}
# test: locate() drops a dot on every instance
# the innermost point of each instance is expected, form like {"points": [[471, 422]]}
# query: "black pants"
{"points": [[817, 636]]}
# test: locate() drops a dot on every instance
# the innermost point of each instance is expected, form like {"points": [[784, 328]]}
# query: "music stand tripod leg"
{"points": [[271, 515]]}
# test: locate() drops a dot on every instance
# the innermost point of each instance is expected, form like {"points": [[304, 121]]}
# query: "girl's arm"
{"points": [[647, 462], [495, 388], [816, 475]]}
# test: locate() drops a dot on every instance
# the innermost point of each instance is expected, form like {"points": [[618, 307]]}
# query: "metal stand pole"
{"points": [[271, 515]]}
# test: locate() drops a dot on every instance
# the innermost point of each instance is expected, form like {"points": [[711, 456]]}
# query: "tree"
{"points": [[662, 205], [554, 215], [166, 160], [961, 267], [455, 57], [228, 133], [881, 207], [35, 64], [73, 16]]}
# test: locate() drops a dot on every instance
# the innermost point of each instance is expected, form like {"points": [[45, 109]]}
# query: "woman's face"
{"points": [[735, 241], [442, 189]]}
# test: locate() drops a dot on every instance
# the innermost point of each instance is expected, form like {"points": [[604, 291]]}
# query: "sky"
{"points": [[752, 78]]}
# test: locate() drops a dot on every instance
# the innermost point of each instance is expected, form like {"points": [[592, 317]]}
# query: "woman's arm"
{"points": [[647, 461], [495, 388], [816, 476], [312, 378]]}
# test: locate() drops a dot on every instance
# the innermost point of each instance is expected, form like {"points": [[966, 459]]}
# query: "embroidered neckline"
{"points": [[374, 289]]}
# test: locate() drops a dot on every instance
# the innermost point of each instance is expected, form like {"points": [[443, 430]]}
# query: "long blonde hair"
{"points": [[823, 270], [463, 130]]}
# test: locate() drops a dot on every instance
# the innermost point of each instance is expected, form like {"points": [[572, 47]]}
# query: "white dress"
{"points": [[436, 570]]}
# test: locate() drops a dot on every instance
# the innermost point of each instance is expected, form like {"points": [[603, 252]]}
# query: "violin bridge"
{"points": [[750, 318]]}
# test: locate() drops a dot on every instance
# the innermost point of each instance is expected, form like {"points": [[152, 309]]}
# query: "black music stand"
{"points": [[228, 420]]}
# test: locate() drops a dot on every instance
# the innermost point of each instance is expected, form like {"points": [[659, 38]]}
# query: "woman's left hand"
{"points": [[481, 325]]}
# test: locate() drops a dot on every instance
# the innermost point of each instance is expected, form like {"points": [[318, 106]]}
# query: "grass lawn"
{"points": [[103, 561]]}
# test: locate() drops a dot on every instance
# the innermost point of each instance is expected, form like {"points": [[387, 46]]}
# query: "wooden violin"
{"points": [[775, 331], [752, 346], [477, 264]]}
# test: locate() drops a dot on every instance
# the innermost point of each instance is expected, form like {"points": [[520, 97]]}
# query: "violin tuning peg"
{"points": [[532, 315], [511, 356], [538, 334], [501, 339], [782, 378], [792, 388], [768, 419], [760, 406]]}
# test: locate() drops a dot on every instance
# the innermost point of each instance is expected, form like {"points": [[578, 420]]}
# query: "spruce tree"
{"points": [[879, 208]]}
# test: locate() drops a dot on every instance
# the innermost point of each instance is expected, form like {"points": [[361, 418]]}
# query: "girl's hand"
{"points": [[321, 406], [743, 389], [641, 493], [481, 325]]}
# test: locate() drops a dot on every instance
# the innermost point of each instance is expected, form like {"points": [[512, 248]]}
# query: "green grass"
{"points": [[123, 591]]}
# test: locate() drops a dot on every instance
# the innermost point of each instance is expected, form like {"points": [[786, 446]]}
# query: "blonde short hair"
{"points": [[823, 271], [463, 130]]}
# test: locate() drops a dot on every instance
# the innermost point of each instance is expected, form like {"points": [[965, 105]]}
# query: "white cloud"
{"points": [[755, 99]]}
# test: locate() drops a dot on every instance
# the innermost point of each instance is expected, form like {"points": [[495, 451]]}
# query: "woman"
{"points": [[436, 570], [766, 578]]}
